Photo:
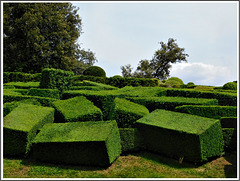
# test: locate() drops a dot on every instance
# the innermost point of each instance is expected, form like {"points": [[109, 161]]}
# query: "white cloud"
{"points": [[202, 74]]}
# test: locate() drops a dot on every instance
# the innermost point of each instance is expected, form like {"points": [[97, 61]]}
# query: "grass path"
{"points": [[139, 165]]}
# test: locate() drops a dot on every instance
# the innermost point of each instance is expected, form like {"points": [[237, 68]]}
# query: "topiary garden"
{"points": [[92, 119]]}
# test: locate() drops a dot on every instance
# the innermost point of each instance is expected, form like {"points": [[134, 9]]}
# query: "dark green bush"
{"points": [[169, 103], [229, 122], [174, 82], [230, 86], [52, 93], [20, 77], [190, 85], [126, 113], [215, 112], [89, 77], [182, 136], [56, 79], [76, 109], [95, 71], [130, 141], [84, 143], [21, 126], [230, 139], [95, 84], [23, 85]]}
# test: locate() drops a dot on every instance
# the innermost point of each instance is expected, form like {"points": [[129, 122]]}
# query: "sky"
{"points": [[121, 33]]}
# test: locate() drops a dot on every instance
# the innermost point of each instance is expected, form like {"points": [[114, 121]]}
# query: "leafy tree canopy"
{"points": [[159, 66], [42, 35]]}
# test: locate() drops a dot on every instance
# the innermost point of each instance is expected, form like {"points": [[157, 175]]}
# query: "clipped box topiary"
{"points": [[76, 109], [181, 136], [95, 71], [20, 127], [82, 143]]}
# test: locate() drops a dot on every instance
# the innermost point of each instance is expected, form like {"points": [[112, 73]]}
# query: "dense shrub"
{"points": [[224, 98], [130, 140], [174, 82], [76, 109], [230, 86], [85, 143], [89, 77], [230, 139], [56, 78], [215, 112], [20, 77], [95, 71], [190, 85], [21, 126], [126, 113], [23, 85], [9, 106], [100, 86], [182, 136], [122, 82], [169, 103], [52, 93]]}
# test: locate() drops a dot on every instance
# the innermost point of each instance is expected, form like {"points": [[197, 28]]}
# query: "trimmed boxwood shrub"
{"points": [[52, 93], [21, 125], [102, 99], [130, 141], [9, 106], [215, 112], [89, 77], [23, 85], [174, 82], [224, 98], [190, 85], [95, 71], [230, 86], [169, 103], [56, 78], [76, 109], [20, 77], [100, 86], [84, 143], [191, 138], [126, 113], [230, 139]]}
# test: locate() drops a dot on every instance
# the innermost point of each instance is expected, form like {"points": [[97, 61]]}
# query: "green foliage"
{"points": [[86, 143], [9, 106], [126, 71], [190, 85], [174, 82], [229, 122], [130, 141], [126, 113], [210, 111], [181, 136], [23, 85], [169, 103], [76, 109], [230, 86], [95, 84], [89, 78], [224, 98], [95, 71], [20, 77], [56, 78], [122, 82], [230, 139], [52, 93], [21, 125], [40, 35]]}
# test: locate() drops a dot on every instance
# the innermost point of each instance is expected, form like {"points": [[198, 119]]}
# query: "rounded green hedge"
{"points": [[230, 86], [95, 71]]}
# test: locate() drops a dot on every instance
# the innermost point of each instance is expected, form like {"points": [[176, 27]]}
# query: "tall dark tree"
{"points": [[40, 35], [167, 55], [143, 70], [127, 70]]}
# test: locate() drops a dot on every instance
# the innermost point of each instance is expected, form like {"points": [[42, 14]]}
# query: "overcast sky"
{"points": [[125, 33]]}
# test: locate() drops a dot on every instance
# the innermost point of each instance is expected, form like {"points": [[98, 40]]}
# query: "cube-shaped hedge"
{"points": [[21, 125], [82, 143], [126, 113], [76, 109], [180, 135]]}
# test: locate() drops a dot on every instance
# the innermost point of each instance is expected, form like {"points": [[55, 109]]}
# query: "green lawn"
{"points": [[139, 165]]}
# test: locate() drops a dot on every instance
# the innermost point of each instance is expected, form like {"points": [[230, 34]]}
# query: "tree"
{"points": [[41, 35], [127, 70], [163, 58], [143, 70]]}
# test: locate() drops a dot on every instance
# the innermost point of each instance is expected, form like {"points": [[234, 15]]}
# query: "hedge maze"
{"points": [[62, 118]]}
